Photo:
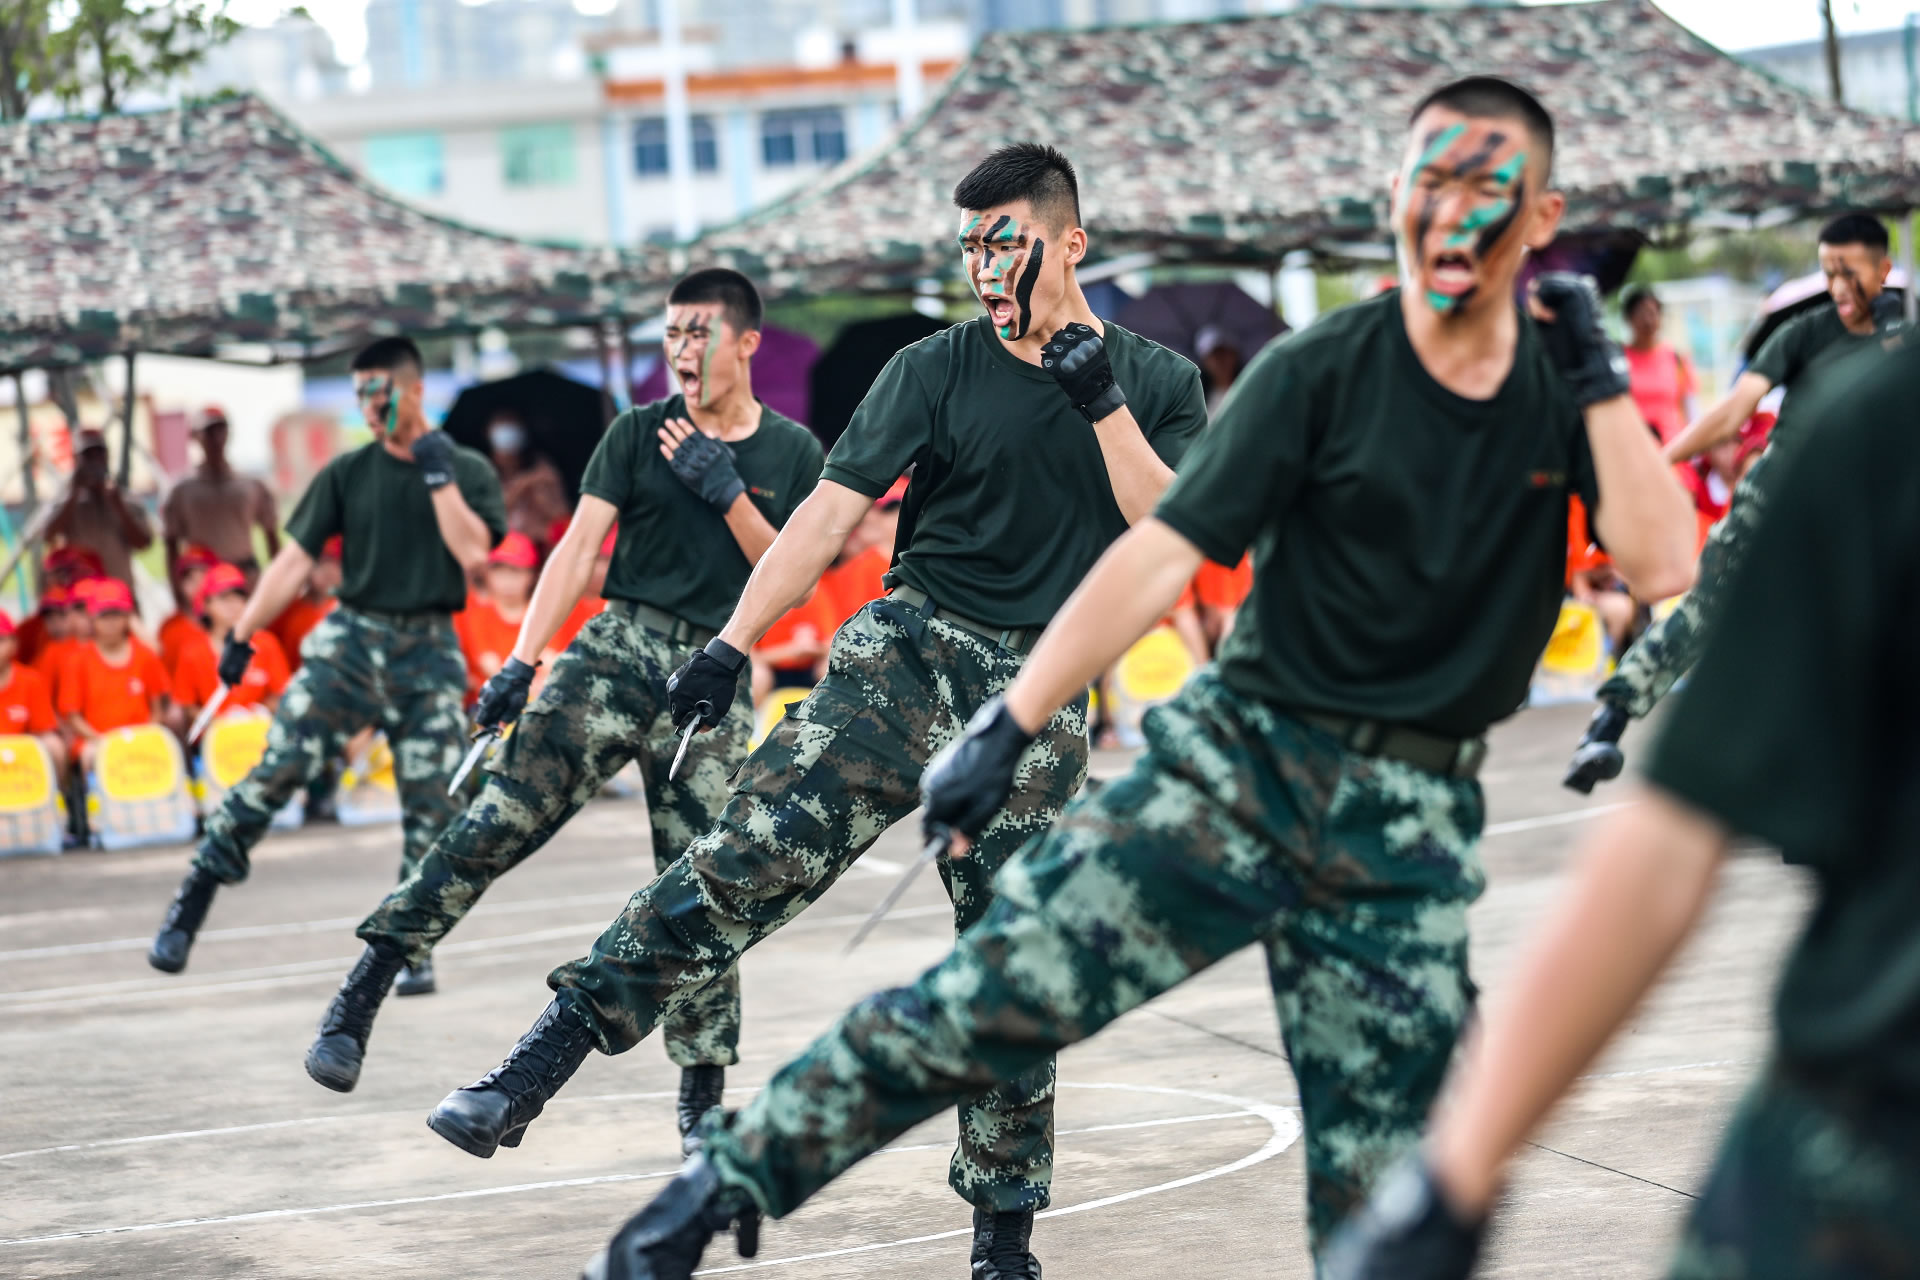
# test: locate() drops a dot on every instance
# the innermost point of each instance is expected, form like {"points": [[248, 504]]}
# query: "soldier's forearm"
{"points": [[790, 567], [284, 578], [1134, 470]]}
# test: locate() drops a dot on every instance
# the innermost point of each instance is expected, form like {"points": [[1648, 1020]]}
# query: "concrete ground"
{"points": [[162, 1126]]}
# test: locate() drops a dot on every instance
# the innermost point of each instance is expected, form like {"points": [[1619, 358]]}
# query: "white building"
{"points": [[1879, 70]]}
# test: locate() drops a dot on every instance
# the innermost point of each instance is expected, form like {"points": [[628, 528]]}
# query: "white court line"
{"points": [[1279, 1118], [1552, 819]]}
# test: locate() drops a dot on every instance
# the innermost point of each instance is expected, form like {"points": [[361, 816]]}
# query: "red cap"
{"points": [[84, 562], [6, 623], [55, 597], [220, 579], [515, 550], [196, 557], [330, 549], [109, 595], [895, 495], [208, 416]]}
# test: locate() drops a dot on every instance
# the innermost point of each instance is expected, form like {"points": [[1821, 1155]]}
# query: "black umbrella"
{"points": [[845, 371], [1174, 314], [564, 419]]}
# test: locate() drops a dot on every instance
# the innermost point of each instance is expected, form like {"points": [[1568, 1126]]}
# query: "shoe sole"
{"points": [[415, 989], [164, 965]]}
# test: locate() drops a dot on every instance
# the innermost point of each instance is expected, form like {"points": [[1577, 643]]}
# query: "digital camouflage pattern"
{"points": [[405, 677], [842, 767], [604, 704], [1238, 824], [1654, 663], [1802, 1189]]}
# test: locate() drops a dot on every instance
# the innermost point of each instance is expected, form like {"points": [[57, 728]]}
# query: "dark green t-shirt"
{"points": [[1797, 354], [675, 551], [1409, 545], [1797, 724], [1010, 502], [392, 558]]}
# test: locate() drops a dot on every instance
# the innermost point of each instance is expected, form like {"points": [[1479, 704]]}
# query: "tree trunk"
{"points": [[1833, 54]]}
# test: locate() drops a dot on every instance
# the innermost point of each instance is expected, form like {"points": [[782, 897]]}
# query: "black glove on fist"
{"points": [[504, 696], [705, 465], [970, 781], [235, 655], [433, 452], [1406, 1231], [705, 685], [1077, 359], [1587, 358], [1887, 310]]}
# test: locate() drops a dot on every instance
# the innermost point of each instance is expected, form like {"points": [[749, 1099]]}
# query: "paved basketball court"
{"points": [[162, 1126]]}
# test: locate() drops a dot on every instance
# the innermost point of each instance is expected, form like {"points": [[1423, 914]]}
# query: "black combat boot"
{"points": [[184, 918], [664, 1241], [700, 1089], [494, 1110], [1000, 1246], [335, 1056], [416, 980], [1598, 757]]}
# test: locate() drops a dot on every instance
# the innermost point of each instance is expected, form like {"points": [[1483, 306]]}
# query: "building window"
{"points": [[407, 164], [537, 155], [817, 134], [650, 146]]}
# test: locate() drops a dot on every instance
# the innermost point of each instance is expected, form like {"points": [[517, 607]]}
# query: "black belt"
{"points": [[1449, 757], [1012, 639], [671, 625], [425, 620]]}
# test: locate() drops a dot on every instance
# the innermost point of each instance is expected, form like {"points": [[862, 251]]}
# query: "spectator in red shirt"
{"points": [[219, 602], [25, 704], [313, 604], [183, 628], [792, 649], [1660, 378], [490, 623], [112, 681]]}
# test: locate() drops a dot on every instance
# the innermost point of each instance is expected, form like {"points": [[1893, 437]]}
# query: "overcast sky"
{"points": [[1731, 24]]}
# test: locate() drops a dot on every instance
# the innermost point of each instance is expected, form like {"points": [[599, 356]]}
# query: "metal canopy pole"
{"points": [[26, 440], [126, 429], [1911, 294]]}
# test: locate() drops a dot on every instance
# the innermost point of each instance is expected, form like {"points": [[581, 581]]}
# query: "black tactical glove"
{"points": [[705, 465], [705, 684], [235, 655], [504, 696], [969, 782], [1405, 1231], [1888, 310], [1589, 361], [433, 453], [1077, 359]]}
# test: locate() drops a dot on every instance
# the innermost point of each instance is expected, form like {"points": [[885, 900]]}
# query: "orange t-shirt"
{"points": [[291, 627], [52, 663], [177, 635], [1221, 587], [811, 615], [197, 674], [589, 607], [847, 586], [487, 640], [25, 705], [109, 697], [1582, 554], [29, 638]]}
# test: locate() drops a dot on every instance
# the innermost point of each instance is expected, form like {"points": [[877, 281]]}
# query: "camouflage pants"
{"points": [[1657, 660], [403, 675], [841, 768], [1238, 824], [604, 704], [1803, 1191]]}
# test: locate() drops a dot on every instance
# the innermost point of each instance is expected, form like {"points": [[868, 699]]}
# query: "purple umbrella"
{"points": [[1174, 315], [780, 370]]}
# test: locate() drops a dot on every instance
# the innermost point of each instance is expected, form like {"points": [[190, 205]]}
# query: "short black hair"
{"points": [[1030, 171], [739, 300], [1856, 228], [1491, 97], [1633, 295], [389, 355]]}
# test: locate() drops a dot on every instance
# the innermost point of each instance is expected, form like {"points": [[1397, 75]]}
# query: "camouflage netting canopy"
{"points": [[1241, 139], [180, 231]]}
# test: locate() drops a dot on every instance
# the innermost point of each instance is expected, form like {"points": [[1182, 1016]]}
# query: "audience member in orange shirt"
{"points": [[792, 649], [114, 680], [219, 602], [68, 629], [313, 604], [490, 623], [855, 575], [1592, 581], [25, 705], [183, 629]]}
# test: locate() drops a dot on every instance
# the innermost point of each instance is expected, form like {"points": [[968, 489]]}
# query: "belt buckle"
{"points": [[1367, 737], [1468, 758]]}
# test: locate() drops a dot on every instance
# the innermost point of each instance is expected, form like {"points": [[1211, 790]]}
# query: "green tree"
{"points": [[26, 65], [111, 48]]}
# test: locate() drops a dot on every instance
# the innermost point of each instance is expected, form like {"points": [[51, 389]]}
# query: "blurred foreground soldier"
{"points": [[1802, 353], [1316, 791], [1030, 454], [1797, 728], [699, 483], [418, 514]]}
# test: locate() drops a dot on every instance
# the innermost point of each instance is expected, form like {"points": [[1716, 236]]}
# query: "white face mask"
{"points": [[505, 437]]}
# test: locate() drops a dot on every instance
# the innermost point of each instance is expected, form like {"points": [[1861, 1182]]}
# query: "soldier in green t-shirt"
{"points": [[1800, 354], [698, 484], [1401, 471], [1796, 727], [1035, 436], [415, 514]]}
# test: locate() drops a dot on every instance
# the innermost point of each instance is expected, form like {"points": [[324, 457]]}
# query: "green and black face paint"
{"points": [[1007, 253]]}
